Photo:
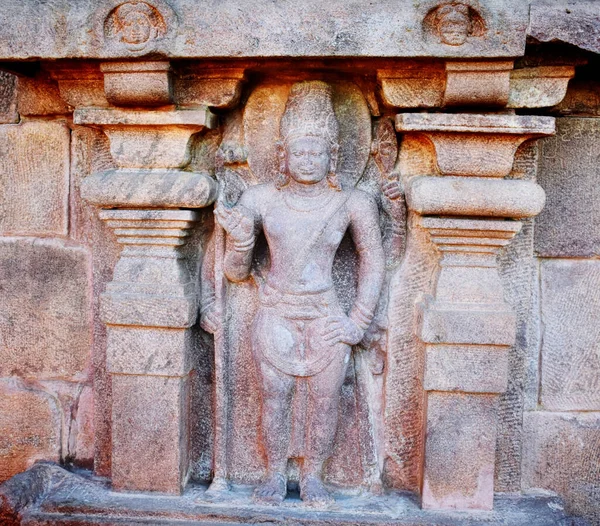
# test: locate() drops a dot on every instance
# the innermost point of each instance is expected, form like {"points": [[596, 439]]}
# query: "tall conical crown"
{"points": [[309, 112]]}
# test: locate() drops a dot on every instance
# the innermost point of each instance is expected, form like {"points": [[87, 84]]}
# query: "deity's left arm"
{"points": [[366, 234]]}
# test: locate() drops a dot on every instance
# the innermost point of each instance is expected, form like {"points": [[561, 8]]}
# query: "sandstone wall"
{"points": [[561, 421], [46, 399]]}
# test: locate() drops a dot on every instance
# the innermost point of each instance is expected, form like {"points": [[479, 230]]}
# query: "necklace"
{"points": [[314, 203]]}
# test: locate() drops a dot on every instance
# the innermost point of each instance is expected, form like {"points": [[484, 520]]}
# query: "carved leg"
{"points": [[322, 415], [277, 390]]}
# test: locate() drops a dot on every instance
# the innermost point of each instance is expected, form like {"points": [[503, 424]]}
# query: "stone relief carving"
{"points": [[135, 25], [453, 23], [300, 333]]}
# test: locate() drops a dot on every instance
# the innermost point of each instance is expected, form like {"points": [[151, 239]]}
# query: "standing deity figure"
{"points": [[301, 337]]}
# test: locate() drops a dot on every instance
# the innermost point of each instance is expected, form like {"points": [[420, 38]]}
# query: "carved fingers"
{"points": [[392, 189], [341, 329], [209, 320], [237, 222]]}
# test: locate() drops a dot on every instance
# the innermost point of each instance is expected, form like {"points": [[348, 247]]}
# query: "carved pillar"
{"points": [[469, 212], [151, 303]]}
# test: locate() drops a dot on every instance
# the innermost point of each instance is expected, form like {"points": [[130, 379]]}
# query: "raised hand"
{"points": [[341, 329], [237, 222]]}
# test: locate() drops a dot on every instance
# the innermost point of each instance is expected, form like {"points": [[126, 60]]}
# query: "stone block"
{"points": [[221, 88], [573, 23], [45, 316], [582, 98], [468, 327], [148, 351], [561, 453], [467, 368], [179, 29], [8, 98], [539, 87], [477, 83], [570, 306], [149, 433], [34, 187], [482, 145], [459, 452], [40, 96], [474, 196], [569, 172], [30, 427], [137, 83], [149, 188]]}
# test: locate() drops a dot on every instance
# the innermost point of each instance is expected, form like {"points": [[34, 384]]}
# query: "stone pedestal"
{"points": [[148, 308], [466, 327], [467, 330]]}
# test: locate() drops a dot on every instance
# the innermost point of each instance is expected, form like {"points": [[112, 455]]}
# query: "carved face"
{"points": [[136, 28], [454, 29], [308, 159]]}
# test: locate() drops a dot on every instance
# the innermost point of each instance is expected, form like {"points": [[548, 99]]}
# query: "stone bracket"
{"points": [[484, 84]]}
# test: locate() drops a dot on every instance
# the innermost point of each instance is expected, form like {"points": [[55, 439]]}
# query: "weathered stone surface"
{"points": [[90, 153], [30, 427], [34, 187], [475, 144], [26, 488], [137, 84], [517, 271], [570, 307], [8, 98], [459, 451], [467, 369], [40, 96], [149, 433], [81, 447], [576, 23], [582, 98], [539, 87], [474, 196], [149, 188], [45, 317], [148, 139], [429, 85], [562, 454], [569, 225], [231, 29], [148, 351], [51, 496], [477, 83]]}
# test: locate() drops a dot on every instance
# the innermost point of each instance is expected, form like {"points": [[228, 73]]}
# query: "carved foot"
{"points": [[314, 493], [272, 491]]}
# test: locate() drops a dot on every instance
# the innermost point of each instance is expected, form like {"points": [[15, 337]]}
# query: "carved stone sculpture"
{"points": [[301, 337]]}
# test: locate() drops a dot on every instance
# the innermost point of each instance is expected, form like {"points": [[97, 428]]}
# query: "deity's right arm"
{"points": [[241, 228]]}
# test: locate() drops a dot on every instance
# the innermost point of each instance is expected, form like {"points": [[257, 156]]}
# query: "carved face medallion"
{"points": [[308, 159], [135, 25], [136, 28], [453, 23], [454, 30]]}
